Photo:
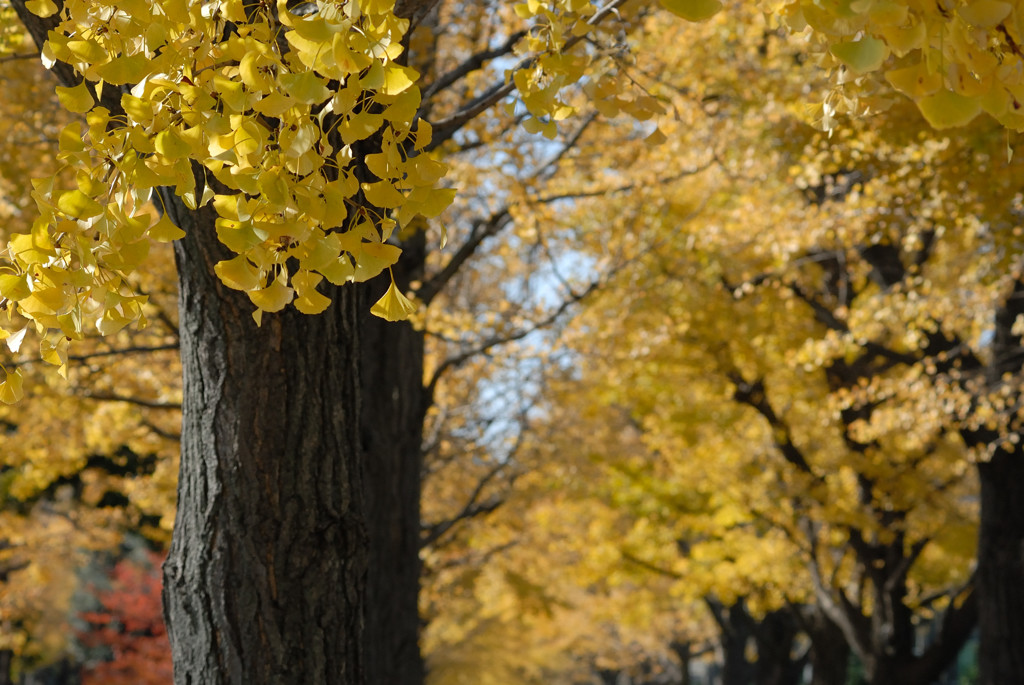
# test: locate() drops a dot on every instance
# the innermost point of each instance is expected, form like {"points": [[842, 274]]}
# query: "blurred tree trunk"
{"points": [[392, 430], [1000, 574]]}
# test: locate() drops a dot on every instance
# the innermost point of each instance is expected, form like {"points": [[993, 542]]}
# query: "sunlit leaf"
{"points": [[77, 99], [11, 390], [693, 10], [393, 305], [947, 109]]}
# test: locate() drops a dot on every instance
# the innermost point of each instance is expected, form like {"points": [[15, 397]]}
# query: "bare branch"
{"points": [[482, 230], [547, 199], [141, 349], [114, 397], [447, 127], [648, 566], [471, 64], [20, 56], [490, 343]]}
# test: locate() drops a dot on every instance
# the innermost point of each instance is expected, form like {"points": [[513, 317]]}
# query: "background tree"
{"points": [[171, 160], [275, 240]]}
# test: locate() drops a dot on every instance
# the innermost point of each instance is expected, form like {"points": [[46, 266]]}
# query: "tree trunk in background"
{"points": [[392, 432], [736, 630], [683, 652], [774, 636], [265, 579], [829, 654], [1000, 574]]}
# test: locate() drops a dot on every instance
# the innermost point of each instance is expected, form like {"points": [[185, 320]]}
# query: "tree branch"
{"points": [[482, 230], [486, 345], [450, 125], [471, 64], [114, 397]]}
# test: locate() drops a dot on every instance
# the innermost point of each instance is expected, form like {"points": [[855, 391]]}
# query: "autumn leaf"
{"points": [[11, 389], [393, 305], [693, 10]]}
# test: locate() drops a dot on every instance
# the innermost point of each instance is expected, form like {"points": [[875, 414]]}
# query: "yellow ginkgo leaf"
{"points": [[14, 340], [398, 78], [985, 13], [78, 205], [41, 8], [273, 298], [124, 69], [76, 99], [393, 306], [169, 144], [14, 287], [238, 273], [306, 87], [946, 109], [164, 231], [383, 195], [693, 10], [312, 302], [11, 389], [862, 56]]}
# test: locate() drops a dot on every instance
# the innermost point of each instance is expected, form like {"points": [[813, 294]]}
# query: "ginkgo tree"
{"points": [[885, 258], [281, 169], [291, 149]]}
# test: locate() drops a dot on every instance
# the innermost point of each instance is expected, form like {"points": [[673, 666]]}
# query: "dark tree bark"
{"points": [[266, 574], [684, 652], [392, 431], [774, 636], [1000, 574], [829, 654], [265, 580], [736, 630]]}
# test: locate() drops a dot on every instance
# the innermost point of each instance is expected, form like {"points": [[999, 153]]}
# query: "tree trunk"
{"points": [[1000, 574], [266, 574], [736, 631], [829, 654], [392, 432], [774, 636], [684, 652]]}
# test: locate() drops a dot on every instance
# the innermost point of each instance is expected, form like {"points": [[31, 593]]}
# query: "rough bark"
{"points": [[392, 431], [265, 578], [1000, 574]]}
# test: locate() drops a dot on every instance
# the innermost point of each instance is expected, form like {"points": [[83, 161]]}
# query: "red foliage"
{"points": [[131, 625]]}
